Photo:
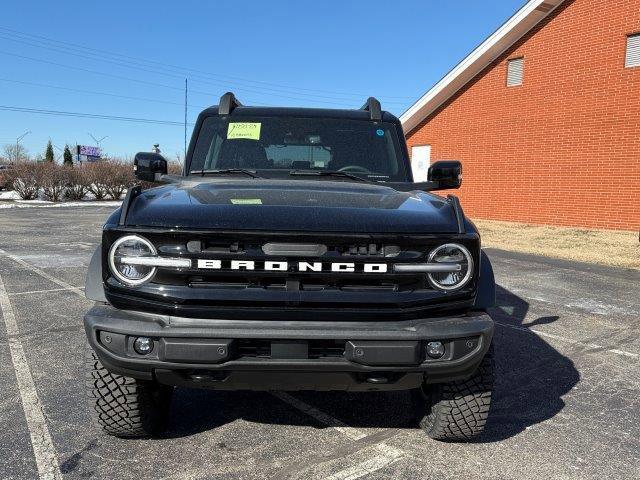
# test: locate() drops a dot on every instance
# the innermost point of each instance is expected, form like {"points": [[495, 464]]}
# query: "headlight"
{"points": [[126, 260], [451, 253]]}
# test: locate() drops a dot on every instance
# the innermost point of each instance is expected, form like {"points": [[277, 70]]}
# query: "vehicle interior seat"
{"points": [[242, 153]]}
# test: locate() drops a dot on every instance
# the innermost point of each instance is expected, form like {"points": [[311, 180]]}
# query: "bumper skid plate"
{"points": [[271, 355]]}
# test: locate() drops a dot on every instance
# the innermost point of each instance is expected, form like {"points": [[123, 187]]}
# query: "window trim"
{"points": [[627, 37], [509, 62]]}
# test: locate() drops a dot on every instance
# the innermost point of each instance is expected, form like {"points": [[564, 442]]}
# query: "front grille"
{"points": [[231, 247], [311, 284], [227, 250], [220, 292]]}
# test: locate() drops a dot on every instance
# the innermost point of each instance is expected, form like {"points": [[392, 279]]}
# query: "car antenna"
{"points": [[228, 102]]}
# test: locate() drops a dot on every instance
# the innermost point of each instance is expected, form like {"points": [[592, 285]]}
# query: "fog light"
{"points": [[435, 349], [143, 345]]}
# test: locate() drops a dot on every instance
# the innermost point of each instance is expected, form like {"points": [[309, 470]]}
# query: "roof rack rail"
{"points": [[373, 107], [228, 102]]}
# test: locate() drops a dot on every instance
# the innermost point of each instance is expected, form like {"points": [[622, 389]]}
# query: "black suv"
{"points": [[294, 253]]}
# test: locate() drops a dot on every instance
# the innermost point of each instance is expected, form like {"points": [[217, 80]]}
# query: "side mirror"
{"points": [[446, 173], [149, 166]]}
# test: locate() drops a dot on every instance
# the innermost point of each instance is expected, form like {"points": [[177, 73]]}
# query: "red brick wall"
{"points": [[563, 148]]}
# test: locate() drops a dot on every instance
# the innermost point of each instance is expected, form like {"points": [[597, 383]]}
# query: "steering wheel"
{"points": [[354, 169]]}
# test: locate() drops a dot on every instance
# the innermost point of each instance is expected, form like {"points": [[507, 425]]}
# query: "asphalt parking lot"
{"points": [[566, 403]]}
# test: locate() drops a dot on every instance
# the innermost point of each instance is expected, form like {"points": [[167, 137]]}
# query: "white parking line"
{"points": [[72, 289], [324, 418], [384, 457], [43, 274], [569, 340], [385, 454], [43, 449]]}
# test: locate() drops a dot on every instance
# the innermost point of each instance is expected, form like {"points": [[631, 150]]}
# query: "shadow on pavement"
{"points": [[531, 379], [532, 376]]}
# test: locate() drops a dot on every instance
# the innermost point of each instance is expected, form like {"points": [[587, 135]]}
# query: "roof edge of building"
{"points": [[525, 19]]}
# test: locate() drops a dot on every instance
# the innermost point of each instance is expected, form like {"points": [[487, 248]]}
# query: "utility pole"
{"points": [[18, 144], [186, 90]]}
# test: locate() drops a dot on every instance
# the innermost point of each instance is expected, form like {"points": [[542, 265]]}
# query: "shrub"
{"points": [[174, 168], [119, 179], [96, 177], [77, 182], [4, 179], [23, 178], [53, 180], [102, 179]]}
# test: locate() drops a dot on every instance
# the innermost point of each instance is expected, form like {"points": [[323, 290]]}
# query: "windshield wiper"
{"points": [[251, 173], [325, 173]]}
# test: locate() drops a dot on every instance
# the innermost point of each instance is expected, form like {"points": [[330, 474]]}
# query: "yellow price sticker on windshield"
{"points": [[245, 130]]}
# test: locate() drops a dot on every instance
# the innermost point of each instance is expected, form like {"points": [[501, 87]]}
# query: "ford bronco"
{"points": [[294, 252]]}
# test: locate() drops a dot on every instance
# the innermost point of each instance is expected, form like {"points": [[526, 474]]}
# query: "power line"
{"points": [[94, 92], [61, 113], [181, 69], [111, 75], [81, 69], [225, 85]]}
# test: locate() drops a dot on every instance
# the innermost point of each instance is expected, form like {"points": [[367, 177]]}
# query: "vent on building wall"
{"points": [[515, 72], [633, 51]]}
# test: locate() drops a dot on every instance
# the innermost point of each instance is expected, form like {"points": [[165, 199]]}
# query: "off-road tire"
{"points": [[126, 407], [457, 411]]}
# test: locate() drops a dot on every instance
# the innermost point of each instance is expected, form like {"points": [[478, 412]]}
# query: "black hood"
{"points": [[291, 205]]}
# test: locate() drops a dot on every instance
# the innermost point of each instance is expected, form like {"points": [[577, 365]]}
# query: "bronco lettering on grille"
{"points": [[275, 266]]}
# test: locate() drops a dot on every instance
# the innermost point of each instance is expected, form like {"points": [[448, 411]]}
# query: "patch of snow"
{"points": [[33, 202], [11, 195], [45, 204]]}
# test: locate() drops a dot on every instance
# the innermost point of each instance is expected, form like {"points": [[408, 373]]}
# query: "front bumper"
{"points": [[288, 355]]}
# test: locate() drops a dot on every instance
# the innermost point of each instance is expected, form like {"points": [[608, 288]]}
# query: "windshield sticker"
{"points": [[244, 130], [246, 201], [380, 132]]}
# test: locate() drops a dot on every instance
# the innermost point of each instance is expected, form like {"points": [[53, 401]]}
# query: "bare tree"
{"points": [[53, 180], [24, 179], [77, 181], [15, 152], [97, 177]]}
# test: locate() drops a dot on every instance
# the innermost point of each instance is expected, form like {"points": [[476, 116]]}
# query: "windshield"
{"points": [[272, 145]]}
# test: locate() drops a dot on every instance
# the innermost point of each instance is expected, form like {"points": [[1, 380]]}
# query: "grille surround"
{"points": [[214, 294]]}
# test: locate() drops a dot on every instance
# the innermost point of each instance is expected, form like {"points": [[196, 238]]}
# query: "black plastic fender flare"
{"points": [[486, 296], [93, 287]]}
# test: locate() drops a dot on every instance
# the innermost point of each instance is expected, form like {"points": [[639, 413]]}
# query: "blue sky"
{"points": [[290, 53]]}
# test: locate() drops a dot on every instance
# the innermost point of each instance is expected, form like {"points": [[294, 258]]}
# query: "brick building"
{"points": [[545, 117]]}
